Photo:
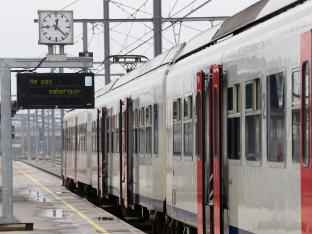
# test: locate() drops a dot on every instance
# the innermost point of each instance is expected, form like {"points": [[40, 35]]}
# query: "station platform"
{"points": [[40, 199]]}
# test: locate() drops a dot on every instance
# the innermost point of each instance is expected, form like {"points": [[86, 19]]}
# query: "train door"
{"points": [[121, 133], [98, 143], [200, 152], [104, 150], [216, 147], [305, 132], [129, 195]]}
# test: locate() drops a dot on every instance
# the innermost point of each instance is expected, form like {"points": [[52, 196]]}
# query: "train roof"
{"points": [[160, 60], [251, 16]]}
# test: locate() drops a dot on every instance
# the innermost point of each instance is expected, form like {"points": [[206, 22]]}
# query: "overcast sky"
{"points": [[19, 34]]}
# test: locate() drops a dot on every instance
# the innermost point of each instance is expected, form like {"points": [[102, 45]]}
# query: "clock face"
{"points": [[55, 28]]}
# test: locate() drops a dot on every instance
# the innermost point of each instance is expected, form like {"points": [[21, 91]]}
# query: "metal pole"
{"points": [[53, 134], [28, 136], [43, 133], [36, 134], [85, 36], [106, 42], [61, 70], [6, 130], [48, 134], [157, 21]]}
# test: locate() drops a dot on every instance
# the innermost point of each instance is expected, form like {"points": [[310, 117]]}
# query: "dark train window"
{"points": [[249, 96], [233, 123], [188, 126], [253, 121], [305, 111], [155, 125], [148, 129], [107, 134], [149, 140], [135, 131], [142, 141], [276, 118], [230, 99], [234, 138], [296, 116]]}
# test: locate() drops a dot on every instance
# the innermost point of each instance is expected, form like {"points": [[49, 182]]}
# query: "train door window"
{"points": [[188, 126], [123, 132], [276, 117], [148, 120], [117, 133], [296, 116], [113, 133], [142, 133], [177, 128], [107, 133], [233, 122], [155, 127], [135, 131], [306, 113], [253, 120]]}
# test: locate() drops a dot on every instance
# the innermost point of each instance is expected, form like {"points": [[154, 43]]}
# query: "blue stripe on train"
{"points": [[235, 230]]}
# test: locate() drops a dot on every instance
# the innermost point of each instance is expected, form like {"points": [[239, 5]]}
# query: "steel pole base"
{"points": [[12, 224]]}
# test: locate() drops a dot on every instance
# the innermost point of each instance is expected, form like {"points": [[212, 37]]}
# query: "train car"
{"points": [[214, 135], [246, 100]]}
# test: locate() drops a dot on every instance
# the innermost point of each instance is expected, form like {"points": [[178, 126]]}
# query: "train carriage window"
{"points": [[155, 126], [276, 117], [142, 133], [177, 128], [253, 121], [306, 113], [148, 121], [296, 116], [188, 126], [135, 131], [233, 122], [108, 150]]}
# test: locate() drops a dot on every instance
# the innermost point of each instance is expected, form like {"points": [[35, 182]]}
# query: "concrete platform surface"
{"points": [[40, 198], [46, 165]]}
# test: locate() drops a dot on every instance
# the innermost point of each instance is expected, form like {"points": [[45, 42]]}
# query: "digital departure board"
{"points": [[55, 90]]}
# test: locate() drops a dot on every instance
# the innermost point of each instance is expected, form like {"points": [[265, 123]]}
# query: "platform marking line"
{"points": [[71, 207]]}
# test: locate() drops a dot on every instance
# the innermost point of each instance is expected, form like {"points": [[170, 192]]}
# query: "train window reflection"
{"points": [[296, 87], [296, 116], [305, 113], [177, 139], [253, 121], [253, 137], [276, 118]]}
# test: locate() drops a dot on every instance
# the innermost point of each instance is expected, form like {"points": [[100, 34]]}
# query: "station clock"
{"points": [[55, 27]]}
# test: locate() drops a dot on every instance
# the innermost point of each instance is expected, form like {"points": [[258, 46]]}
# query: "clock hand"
{"points": [[61, 32], [56, 24]]}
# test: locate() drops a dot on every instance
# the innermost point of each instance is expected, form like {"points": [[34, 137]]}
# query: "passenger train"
{"points": [[212, 136]]}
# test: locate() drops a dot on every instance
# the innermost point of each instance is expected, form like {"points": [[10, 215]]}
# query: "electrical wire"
{"points": [[132, 8], [33, 69], [178, 20], [74, 2]]}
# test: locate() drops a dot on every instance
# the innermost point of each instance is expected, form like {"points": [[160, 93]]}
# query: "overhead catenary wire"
{"points": [[70, 4], [176, 21]]}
